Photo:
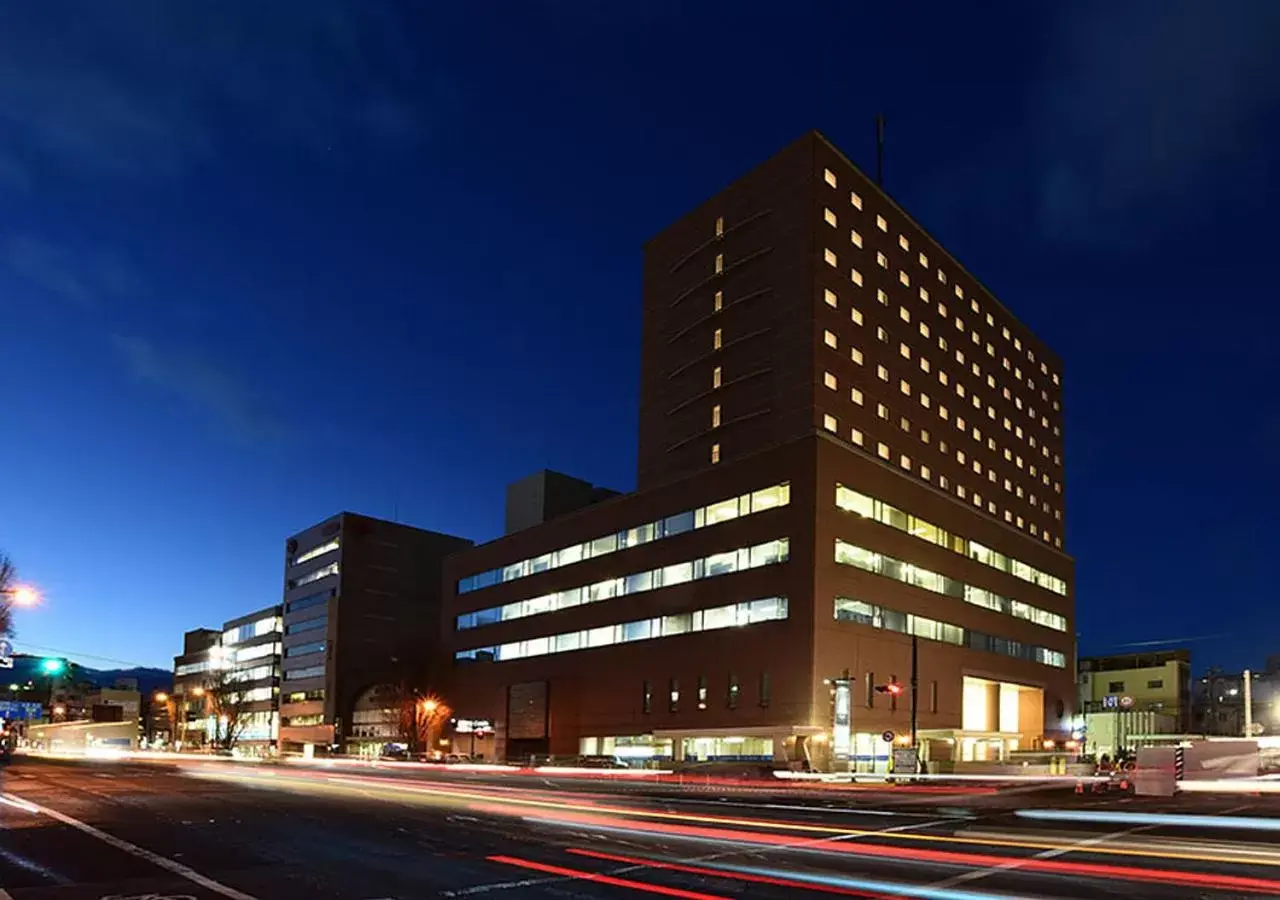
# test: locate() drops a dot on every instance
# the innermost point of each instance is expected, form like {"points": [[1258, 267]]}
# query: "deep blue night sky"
{"points": [[260, 263]]}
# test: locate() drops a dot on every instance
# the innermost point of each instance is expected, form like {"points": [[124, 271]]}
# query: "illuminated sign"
{"points": [[842, 739], [477, 726]]}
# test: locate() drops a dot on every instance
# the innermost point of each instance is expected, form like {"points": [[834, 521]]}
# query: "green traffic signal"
{"points": [[52, 666]]}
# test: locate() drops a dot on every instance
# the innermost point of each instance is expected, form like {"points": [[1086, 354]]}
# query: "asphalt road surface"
{"points": [[115, 830]]}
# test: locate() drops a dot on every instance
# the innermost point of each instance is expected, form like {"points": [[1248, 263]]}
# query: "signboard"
{"points": [[473, 726], [842, 738], [20, 710], [888, 737], [6, 654], [905, 761]]}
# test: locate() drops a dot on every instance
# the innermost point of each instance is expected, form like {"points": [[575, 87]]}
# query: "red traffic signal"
{"points": [[891, 688]]}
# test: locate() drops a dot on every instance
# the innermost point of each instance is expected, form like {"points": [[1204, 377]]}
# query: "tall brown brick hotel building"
{"points": [[845, 440]]}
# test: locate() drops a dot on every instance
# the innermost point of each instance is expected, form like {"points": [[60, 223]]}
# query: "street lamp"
{"points": [[161, 697], [429, 705]]}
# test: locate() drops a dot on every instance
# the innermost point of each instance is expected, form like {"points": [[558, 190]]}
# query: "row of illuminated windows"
{"points": [[250, 630], [702, 517], [302, 721], [308, 672], [748, 612], [315, 552], [246, 654], [304, 649], [863, 613], [883, 225], [322, 572], [968, 429], [192, 668], [831, 340], [905, 461], [725, 563], [870, 561], [871, 508]]}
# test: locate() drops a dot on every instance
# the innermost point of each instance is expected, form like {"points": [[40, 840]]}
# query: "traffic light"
{"points": [[892, 688], [52, 666]]}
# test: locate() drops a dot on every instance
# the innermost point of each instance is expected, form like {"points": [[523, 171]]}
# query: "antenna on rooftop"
{"points": [[880, 150]]}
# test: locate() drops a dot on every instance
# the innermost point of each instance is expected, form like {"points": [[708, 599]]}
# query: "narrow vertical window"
{"points": [[715, 416], [734, 690], [715, 453], [702, 692], [715, 377], [647, 698], [764, 689], [719, 226], [719, 263], [716, 339], [719, 301], [673, 695]]}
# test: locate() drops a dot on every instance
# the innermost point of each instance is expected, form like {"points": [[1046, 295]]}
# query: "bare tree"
{"points": [[229, 705], [419, 717], [8, 583]]}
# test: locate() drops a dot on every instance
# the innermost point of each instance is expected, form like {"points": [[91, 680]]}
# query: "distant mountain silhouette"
{"points": [[148, 679]]}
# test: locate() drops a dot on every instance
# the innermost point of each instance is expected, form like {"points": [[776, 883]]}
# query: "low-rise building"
{"points": [[1152, 682]]}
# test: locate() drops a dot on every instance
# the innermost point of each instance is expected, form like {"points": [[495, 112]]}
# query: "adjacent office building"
{"points": [[845, 440], [251, 656], [193, 670], [1123, 698], [361, 610]]}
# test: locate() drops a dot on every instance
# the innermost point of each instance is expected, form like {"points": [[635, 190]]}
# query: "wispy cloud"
{"points": [[147, 88], [209, 388], [66, 275], [1138, 99]]}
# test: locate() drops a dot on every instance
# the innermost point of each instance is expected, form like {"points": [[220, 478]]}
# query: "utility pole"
{"points": [[1248, 703], [915, 690]]}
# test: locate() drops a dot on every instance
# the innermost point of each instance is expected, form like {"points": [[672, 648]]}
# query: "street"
{"points": [[116, 829]]}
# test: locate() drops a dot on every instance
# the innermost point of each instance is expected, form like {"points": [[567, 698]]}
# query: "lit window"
{"points": [[856, 436], [856, 277], [883, 450], [855, 239], [716, 339], [829, 380], [903, 242], [881, 334], [991, 351], [829, 257], [715, 377], [715, 453], [829, 338], [1020, 522], [830, 297], [882, 224], [1008, 516], [960, 457], [973, 305], [904, 351], [1055, 381], [905, 387], [904, 314], [1017, 343], [855, 200], [830, 217], [904, 278], [829, 422], [719, 263], [924, 472], [944, 412], [942, 310], [959, 323], [977, 434], [944, 482], [719, 226], [1004, 361], [882, 297], [856, 355], [882, 411], [1004, 332], [905, 462], [855, 395], [924, 435], [960, 424], [925, 401], [924, 330], [944, 378], [990, 321], [1018, 430], [976, 369], [977, 499], [719, 302], [882, 373], [881, 260], [977, 467], [924, 295], [959, 292], [856, 315], [715, 416], [905, 424], [961, 492], [829, 177], [924, 261], [1008, 454]]}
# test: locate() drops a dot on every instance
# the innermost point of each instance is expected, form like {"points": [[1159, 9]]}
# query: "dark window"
{"points": [[673, 695], [304, 649], [648, 697], [764, 688], [1156, 684], [307, 602], [306, 625], [1116, 687], [871, 689], [734, 690], [933, 696], [702, 692]]}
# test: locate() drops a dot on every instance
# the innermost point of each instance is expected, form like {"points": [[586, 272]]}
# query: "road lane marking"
{"points": [[150, 856]]}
